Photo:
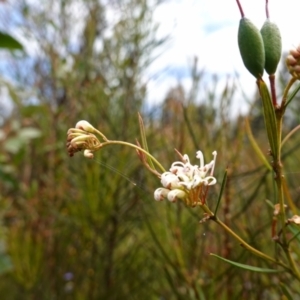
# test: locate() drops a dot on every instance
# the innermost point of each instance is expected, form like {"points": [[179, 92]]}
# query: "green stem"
{"points": [[135, 147], [254, 251], [286, 91], [247, 246], [279, 182], [277, 166], [289, 135]]}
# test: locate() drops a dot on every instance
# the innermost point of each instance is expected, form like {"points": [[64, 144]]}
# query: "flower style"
{"points": [[86, 126], [82, 138], [187, 182]]}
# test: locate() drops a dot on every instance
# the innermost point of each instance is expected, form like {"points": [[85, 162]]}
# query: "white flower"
{"points": [[86, 126], [88, 153], [169, 180], [176, 194], [161, 194], [186, 181], [203, 169]]}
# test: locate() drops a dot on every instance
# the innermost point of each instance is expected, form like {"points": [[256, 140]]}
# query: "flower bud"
{"points": [[169, 180], [176, 194], [86, 126], [88, 153], [161, 194]]}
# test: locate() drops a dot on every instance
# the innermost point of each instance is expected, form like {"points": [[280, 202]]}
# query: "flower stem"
{"points": [[273, 90], [286, 91], [277, 166], [240, 8], [135, 147], [244, 244], [292, 269], [290, 134]]}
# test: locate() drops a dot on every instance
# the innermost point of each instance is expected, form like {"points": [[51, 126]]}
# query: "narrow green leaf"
{"points": [[221, 192], [174, 287], [157, 242], [246, 267], [8, 42], [255, 146], [144, 140], [296, 234], [200, 292], [270, 204], [189, 126], [292, 95], [269, 116], [285, 291]]}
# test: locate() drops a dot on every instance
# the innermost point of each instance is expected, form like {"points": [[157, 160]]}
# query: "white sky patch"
{"points": [[208, 30], [202, 28]]}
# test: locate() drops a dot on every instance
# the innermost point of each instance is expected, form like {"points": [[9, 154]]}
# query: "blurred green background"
{"points": [[73, 228]]}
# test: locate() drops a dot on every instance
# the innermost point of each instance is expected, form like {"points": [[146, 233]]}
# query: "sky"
{"points": [[208, 29]]}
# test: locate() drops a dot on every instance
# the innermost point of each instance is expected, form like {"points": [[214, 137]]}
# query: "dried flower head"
{"points": [[187, 182], [82, 138]]}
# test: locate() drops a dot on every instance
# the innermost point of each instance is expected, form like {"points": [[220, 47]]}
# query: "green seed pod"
{"points": [[272, 42], [251, 47]]}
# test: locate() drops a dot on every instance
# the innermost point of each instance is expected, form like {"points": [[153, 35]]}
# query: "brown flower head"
{"points": [[82, 138]]}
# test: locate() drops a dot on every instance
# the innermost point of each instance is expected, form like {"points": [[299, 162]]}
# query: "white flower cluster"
{"points": [[187, 182]]}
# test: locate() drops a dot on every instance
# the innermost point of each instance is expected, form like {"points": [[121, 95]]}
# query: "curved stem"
{"points": [[286, 91], [247, 246], [292, 270], [135, 147], [240, 8], [267, 10], [277, 166], [101, 134], [290, 134]]}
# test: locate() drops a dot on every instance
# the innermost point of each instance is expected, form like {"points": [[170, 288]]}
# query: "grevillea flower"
{"points": [[187, 182], [82, 138]]}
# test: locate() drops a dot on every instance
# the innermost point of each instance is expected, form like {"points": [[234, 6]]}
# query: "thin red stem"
{"points": [[267, 9], [273, 90], [240, 8]]}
